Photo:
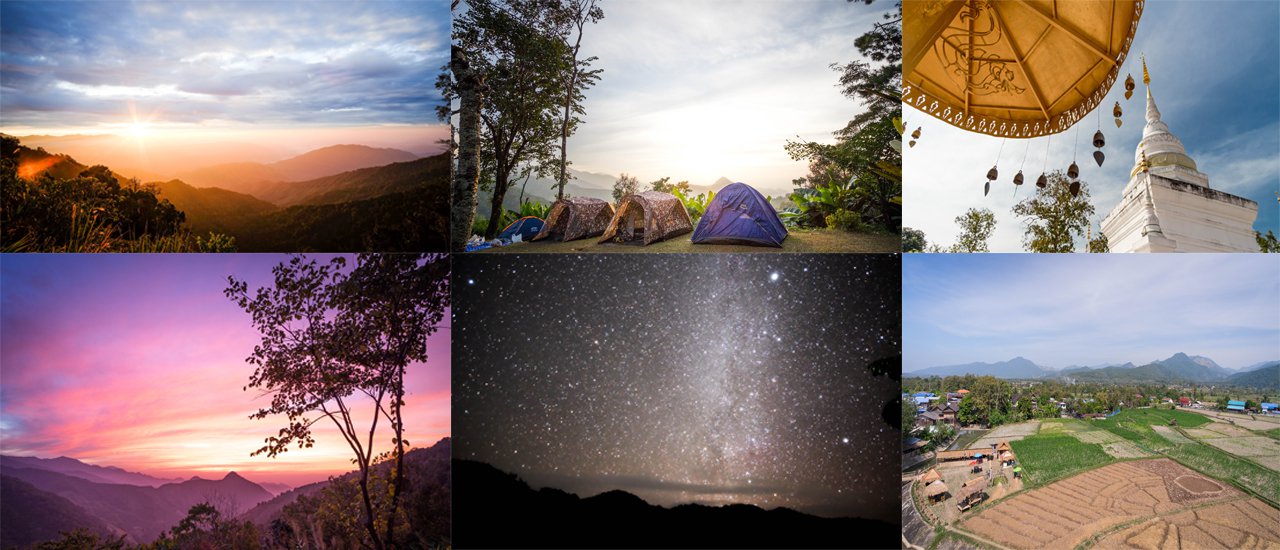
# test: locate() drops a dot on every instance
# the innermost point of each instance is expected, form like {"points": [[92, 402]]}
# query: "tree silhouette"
{"points": [[329, 334]]}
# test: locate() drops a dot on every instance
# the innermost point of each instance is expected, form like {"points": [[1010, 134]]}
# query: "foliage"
{"points": [[329, 333], [572, 17], [908, 417], [1054, 218], [82, 539], [864, 171], [1046, 458], [205, 527], [625, 187], [844, 220], [1267, 243], [1099, 244], [696, 206], [876, 83], [533, 208], [913, 240], [664, 185], [976, 226]]}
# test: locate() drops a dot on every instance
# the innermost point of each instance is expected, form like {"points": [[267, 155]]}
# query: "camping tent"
{"points": [[740, 215], [576, 218], [526, 227], [648, 217]]}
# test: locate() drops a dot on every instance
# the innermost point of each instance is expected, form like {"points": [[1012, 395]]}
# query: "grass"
{"points": [[798, 240], [1273, 433], [1135, 425], [1046, 458]]}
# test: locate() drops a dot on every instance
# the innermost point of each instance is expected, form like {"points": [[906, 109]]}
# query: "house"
{"points": [[1184, 401], [922, 397], [1270, 408], [1234, 405], [928, 418]]}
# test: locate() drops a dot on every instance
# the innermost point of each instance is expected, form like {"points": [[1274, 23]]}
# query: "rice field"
{"points": [[1243, 524], [1046, 458]]}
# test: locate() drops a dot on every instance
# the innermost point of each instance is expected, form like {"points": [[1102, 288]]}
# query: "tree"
{"points": [[517, 47], [877, 83], [1099, 244], [625, 186], [908, 416], [329, 333], [976, 226], [468, 85], [913, 240], [1267, 243], [1053, 217], [578, 77], [968, 412]]}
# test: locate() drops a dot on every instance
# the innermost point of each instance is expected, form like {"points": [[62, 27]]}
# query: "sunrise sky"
{"points": [[308, 74], [137, 361]]}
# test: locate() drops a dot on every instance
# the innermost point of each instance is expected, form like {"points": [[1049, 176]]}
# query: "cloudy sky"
{"points": [[700, 90], [1218, 97], [152, 68], [137, 361], [1089, 309]]}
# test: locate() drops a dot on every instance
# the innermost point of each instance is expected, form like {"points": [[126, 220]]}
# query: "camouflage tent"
{"points": [[648, 217], [576, 218]]}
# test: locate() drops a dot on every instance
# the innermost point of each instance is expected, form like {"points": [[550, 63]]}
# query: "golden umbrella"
{"points": [[1013, 68]]}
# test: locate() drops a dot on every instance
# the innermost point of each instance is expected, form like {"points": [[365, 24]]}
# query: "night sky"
{"points": [[683, 378]]}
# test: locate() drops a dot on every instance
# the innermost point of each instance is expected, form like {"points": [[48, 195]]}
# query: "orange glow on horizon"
{"points": [[30, 169]]}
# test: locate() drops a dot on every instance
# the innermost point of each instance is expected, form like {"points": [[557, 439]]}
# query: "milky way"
{"points": [[682, 378]]}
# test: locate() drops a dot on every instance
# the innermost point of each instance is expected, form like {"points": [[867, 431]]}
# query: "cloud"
{"points": [[1225, 113]]}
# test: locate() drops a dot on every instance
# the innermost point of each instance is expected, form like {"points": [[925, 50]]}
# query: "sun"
{"points": [[138, 129]]}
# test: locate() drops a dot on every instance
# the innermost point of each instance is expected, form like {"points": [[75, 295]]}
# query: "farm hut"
{"points": [[576, 218], [972, 492], [1003, 446], [648, 217], [936, 491], [912, 444], [740, 215], [1006, 459], [931, 476], [524, 229]]}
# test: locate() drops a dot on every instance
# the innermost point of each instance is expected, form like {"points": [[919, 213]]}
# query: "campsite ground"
{"points": [[1139, 480], [798, 240]]}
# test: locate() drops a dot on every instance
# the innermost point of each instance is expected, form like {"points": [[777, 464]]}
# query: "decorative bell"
{"points": [[1118, 121], [1073, 171], [992, 174], [1098, 156], [1129, 86], [1042, 181], [1116, 112], [1074, 189], [1098, 139], [916, 134], [1017, 179]]}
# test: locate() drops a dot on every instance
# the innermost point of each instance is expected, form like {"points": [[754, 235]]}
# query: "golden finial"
{"points": [[1146, 77], [1143, 163]]}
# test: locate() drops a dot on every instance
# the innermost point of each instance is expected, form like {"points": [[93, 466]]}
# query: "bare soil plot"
{"points": [[1065, 513], [1172, 435], [1203, 433], [1270, 462], [1010, 432], [1101, 437], [1244, 524], [1124, 449], [1254, 422], [1228, 429], [1247, 446]]}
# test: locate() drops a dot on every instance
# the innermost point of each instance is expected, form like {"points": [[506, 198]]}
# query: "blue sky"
{"points": [[1089, 309], [700, 90], [97, 67], [1215, 75]]}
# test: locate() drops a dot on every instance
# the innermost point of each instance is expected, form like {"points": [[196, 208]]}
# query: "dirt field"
{"points": [[1242, 524], [1113, 444], [1245, 421], [1010, 432], [1066, 513]]}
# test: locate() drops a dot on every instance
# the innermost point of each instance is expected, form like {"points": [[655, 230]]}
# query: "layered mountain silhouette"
{"points": [[88, 472], [1179, 367], [344, 198], [32, 515], [495, 509]]}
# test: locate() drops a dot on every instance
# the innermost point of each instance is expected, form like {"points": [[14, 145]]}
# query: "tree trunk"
{"points": [[368, 507], [500, 186], [398, 481], [568, 112], [466, 179]]}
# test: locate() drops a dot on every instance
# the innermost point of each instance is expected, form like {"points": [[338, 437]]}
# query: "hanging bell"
{"points": [[1098, 156], [1129, 86], [1042, 181], [916, 134], [1017, 180], [1074, 189], [992, 174], [1073, 171], [1098, 139], [1116, 112], [986, 188]]}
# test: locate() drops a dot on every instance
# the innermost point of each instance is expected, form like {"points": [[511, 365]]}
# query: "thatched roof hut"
{"points": [[576, 218], [931, 476], [935, 489], [1003, 446], [972, 487], [648, 217]]}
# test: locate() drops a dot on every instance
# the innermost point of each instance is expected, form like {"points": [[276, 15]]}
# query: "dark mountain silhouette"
{"points": [[494, 509], [89, 472], [32, 516], [365, 183], [274, 488], [142, 512], [213, 209], [251, 177], [1264, 377]]}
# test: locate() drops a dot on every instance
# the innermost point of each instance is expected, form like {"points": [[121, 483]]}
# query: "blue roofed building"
{"points": [[1270, 407], [1235, 405]]}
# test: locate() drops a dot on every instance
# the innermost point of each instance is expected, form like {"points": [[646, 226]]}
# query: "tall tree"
{"points": [[468, 84], [329, 333], [878, 82], [578, 77], [518, 49], [976, 225], [1053, 217]]}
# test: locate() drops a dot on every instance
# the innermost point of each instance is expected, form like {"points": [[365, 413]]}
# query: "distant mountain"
{"points": [[89, 472], [1265, 377], [32, 516], [251, 177], [495, 509], [212, 208], [364, 183], [1179, 367], [1257, 366], [1018, 367], [275, 488], [142, 512]]}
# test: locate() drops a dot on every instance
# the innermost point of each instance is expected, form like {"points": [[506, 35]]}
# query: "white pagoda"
{"points": [[1168, 205]]}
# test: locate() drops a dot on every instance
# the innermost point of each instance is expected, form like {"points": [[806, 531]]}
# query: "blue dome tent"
{"points": [[740, 215], [527, 227]]}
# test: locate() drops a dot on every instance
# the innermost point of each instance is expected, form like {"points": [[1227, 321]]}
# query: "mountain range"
{"points": [[1179, 367]]}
